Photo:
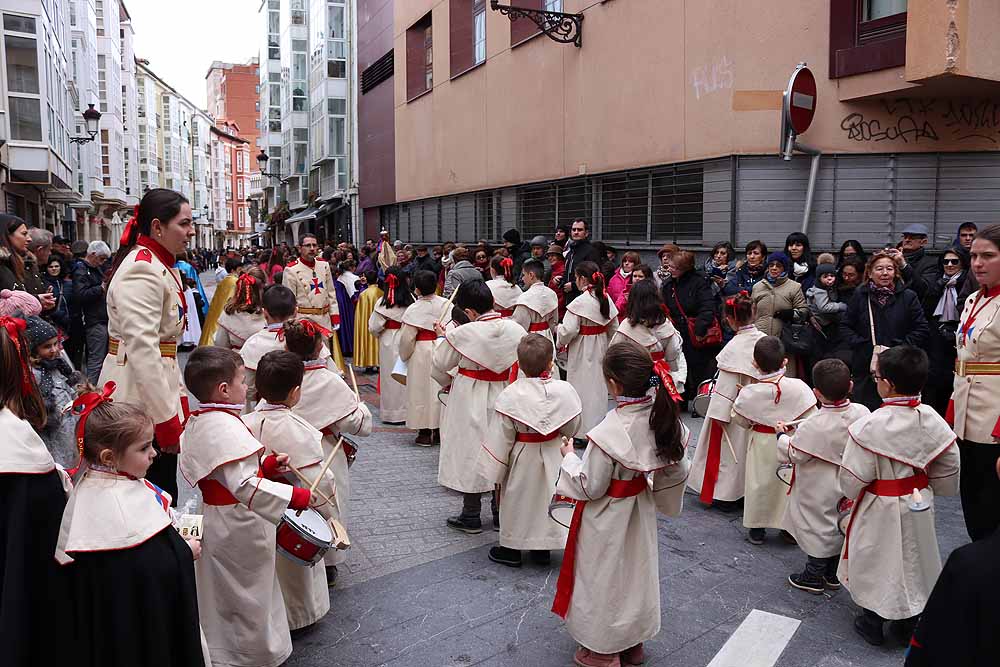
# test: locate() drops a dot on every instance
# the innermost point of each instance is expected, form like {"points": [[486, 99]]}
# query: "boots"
{"points": [[505, 556], [869, 626], [587, 658], [424, 437], [633, 656]]}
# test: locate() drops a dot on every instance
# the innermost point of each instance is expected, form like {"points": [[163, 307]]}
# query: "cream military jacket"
{"points": [[314, 291], [976, 408]]}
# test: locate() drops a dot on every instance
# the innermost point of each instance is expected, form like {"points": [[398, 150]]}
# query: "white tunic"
{"points": [[586, 354], [423, 410], [268, 340], [616, 592], [815, 449], [234, 330], [391, 394], [891, 558], [662, 342], [527, 471], [489, 344], [239, 599], [505, 295], [761, 404], [537, 310]]}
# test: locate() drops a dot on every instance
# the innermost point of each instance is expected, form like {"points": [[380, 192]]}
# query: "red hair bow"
{"points": [[130, 227], [16, 327], [731, 301], [662, 370], [391, 282], [85, 404], [312, 328], [597, 277], [244, 285], [507, 263]]}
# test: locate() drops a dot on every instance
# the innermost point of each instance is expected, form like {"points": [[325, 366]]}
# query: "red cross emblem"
{"points": [[317, 286]]}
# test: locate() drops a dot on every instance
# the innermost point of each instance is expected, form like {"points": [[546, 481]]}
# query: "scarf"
{"points": [[756, 273], [799, 270], [776, 281], [947, 309], [881, 295]]}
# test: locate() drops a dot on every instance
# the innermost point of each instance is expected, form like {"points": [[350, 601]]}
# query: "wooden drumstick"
{"points": [[729, 442], [354, 381], [326, 465], [447, 306], [306, 480]]}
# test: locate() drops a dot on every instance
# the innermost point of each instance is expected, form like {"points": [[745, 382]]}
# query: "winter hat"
{"points": [[38, 331], [824, 269], [14, 303], [539, 241], [512, 236], [554, 249], [780, 257]]}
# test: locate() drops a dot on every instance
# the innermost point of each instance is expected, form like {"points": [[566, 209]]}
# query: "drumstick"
{"points": [[728, 442], [354, 381], [447, 306], [306, 480], [795, 422], [326, 465]]}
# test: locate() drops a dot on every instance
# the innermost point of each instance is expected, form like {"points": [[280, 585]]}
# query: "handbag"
{"points": [[876, 348], [798, 338], [712, 337]]}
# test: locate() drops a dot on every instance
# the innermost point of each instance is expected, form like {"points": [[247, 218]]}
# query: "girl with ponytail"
{"points": [[243, 315], [634, 466], [718, 470], [586, 331], [503, 285], [385, 323]]}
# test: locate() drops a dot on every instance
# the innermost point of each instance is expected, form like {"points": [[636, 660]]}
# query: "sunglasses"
{"points": [[951, 262]]}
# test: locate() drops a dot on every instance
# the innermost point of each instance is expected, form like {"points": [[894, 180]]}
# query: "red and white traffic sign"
{"points": [[800, 99]]}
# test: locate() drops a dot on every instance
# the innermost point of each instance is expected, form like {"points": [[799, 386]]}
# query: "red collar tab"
{"points": [[839, 404], [161, 253], [492, 315], [311, 264], [901, 402]]}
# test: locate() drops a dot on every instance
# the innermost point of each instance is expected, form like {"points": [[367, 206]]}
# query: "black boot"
{"points": [[756, 536], [869, 626], [505, 556], [424, 437], [331, 575], [541, 556], [804, 582], [470, 525], [902, 631]]}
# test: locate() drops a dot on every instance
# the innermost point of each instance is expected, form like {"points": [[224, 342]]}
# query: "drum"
{"points": [[443, 395], [561, 509], [699, 404], [399, 371], [844, 507], [303, 536], [350, 450], [785, 472]]}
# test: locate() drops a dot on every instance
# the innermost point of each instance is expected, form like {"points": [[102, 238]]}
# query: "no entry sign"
{"points": [[800, 99]]}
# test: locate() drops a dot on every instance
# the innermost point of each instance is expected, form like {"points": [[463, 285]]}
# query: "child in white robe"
{"points": [[815, 448], [891, 559], [646, 324], [609, 583], [333, 408], [503, 285], [386, 323], [239, 598], [759, 407], [274, 424], [243, 314], [521, 454], [537, 308], [416, 349]]}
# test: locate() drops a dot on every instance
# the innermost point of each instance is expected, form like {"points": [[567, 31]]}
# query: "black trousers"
{"points": [[980, 488], [472, 506], [163, 473], [817, 568]]}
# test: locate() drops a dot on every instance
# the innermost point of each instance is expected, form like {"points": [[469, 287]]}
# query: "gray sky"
{"points": [[181, 38]]}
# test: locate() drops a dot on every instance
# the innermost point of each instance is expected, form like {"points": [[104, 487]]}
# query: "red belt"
{"points": [[213, 493], [538, 326], [349, 449], [619, 488], [593, 331], [535, 437], [760, 428], [658, 356], [505, 312], [393, 324], [485, 375], [892, 488], [424, 334]]}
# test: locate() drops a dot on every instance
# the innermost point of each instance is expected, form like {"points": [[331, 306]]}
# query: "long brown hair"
{"points": [[302, 339], [590, 272], [18, 391], [503, 267], [8, 223], [631, 366], [157, 204], [249, 292], [115, 426]]}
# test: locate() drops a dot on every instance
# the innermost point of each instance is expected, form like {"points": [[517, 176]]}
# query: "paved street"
{"points": [[417, 593]]}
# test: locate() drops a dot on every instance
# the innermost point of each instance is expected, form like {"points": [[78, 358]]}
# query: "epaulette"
{"points": [[144, 255], [292, 263], [320, 259]]}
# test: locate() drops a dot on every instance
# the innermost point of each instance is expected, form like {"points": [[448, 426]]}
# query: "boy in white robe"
{"points": [[239, 598], [815, 450], [333, 408], [279, 383], [609, 583], [416, 348], [759, 407], [503, 286], [484, 350], [891, 560], [522, 455], [385, 324], [537, 308]]}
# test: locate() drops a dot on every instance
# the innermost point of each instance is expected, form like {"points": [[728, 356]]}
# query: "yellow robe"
{"points": [[365, 344], [223, 292]]}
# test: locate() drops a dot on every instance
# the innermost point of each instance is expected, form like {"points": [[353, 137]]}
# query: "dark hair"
{"points": [[308, 235], [564, 229], [8, 223], [576, 220], [115, 426], [534, 354], [54, 257], [348, 265], [535, 268], [632, 367], [905, 367], [730, 253], [832, 378], [279, 302], [991, 234], [208, 367], [18, 391], [424, 282], [756, 244], [738, 308], [401, 295], [371, 277], [858, 248], [157, 204], [645, 306], [590, 272], [474, 295], [646, 269], [799, 237], [968, 225], [232, 264], [302, 340], [768, 354], [278, 373], [249, 293], [504, 266]]}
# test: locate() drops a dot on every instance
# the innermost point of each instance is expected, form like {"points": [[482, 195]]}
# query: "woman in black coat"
{"points": [[943, 309], [689, 296], [899, 319], [57, 281]]}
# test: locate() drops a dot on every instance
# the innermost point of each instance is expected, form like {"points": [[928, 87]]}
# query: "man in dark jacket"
{"points": [[920, 270], [519, 252], [424, 262], [579, 250], [88, 286]]}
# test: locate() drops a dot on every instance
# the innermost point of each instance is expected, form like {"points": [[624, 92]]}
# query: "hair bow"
{"points": [[85, 404], [597, 277], [391, 282], [244, 285], [661, 378], [16, 327], [313, 329], [130, 228], [507, 263], [731, 301]]}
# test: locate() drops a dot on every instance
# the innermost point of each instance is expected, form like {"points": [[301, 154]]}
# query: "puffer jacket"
{"points": [[772, 299], [462, 272]]}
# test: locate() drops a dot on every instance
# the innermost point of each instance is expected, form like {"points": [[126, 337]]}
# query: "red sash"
{"points": [[593, 330], [885, 487], [619, 488], [213, 493], [536, 437], [424, 334], [712, 462], [657, 356], [505, 312], [393, 324], [538, 326], [485, 375], [760, 428]]}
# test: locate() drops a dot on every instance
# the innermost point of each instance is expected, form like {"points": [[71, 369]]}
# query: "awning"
{"points": [[308, 214], [331, 207]]}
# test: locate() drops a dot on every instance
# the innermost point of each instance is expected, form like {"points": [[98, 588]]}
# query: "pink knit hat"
{"points": [[17, 303]]}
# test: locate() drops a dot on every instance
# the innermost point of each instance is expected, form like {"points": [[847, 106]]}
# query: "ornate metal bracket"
{"points": [[557, 26]]}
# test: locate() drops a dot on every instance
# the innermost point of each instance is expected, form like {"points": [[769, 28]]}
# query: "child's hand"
{"points": [[567, 446], [195, 547], [438, 329], [282, 461], [782, 427]]}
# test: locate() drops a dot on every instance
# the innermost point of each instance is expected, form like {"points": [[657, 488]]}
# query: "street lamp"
{"points": [[92, 119], [262, 159]]}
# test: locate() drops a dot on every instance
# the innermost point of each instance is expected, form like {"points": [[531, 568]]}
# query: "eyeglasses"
{"points": [[951, 262]]}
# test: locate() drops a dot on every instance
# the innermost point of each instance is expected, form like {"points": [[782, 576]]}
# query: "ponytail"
{"points": [[592, 274], [503, 266], [738, 308], [249, 293], [396, 288], [157, 204]]}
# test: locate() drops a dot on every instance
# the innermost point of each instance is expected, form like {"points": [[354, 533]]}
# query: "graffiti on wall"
{"points": [[708, 79], [914, 120]]}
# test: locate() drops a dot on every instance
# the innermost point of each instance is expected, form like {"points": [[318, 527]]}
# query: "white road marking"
{"points": [[758, 642]]}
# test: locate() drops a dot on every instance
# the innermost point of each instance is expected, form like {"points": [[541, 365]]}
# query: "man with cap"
{"points": [[538, 247], [424, 262], [518, 251], [919, 269]]}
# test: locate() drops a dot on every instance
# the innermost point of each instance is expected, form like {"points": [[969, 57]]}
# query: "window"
{"points": [[22, 65], [337, 140], [866, 36], [336, 63], [239, 190], [242, 212], [419, 57], [379, 71], [522, 30], [99, 10], [23, 99], [14, 23], [25, 119], [467, 34], [479, 31]]}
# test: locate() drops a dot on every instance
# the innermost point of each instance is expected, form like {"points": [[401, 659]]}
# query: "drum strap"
{"points": [[349, 449], [619, 488], [893, 488], [712, 462]]}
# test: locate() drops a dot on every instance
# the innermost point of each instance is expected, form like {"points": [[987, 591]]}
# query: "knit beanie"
{"points": [[38, 331], [512, 236], [824, 269], [14, 303], [780, 257]]}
